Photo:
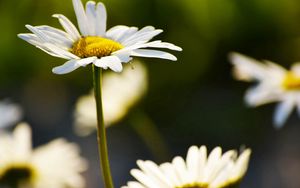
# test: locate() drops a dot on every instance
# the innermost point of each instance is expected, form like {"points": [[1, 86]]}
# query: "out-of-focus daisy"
{"points": [[275, 84], [56, 164], [10, 113], [106, 49], [120, 93], [197, 171]]}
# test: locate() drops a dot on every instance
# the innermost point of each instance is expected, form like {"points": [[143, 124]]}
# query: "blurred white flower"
{"points": [[197, 171], [106, 49], [10, 113], [275, 84], [120, 92], [55, 165]]}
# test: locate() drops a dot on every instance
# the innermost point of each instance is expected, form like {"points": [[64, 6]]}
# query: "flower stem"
{"points": [[144, 126], [101, 133]]}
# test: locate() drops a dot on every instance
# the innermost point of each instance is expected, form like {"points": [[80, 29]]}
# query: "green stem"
{"points": [[148, 132], [101, 134]]}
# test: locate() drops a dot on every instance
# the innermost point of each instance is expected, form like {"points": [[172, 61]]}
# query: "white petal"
{"points": [[192, 163], [30, 38], [69, 66], [241, 165], [154, 44], [22, 136], [72, 65], [46, 47], [202, 162], [63, 53], [141, 37], [36, 41], [115, 66], [222, 163], [59, 154], [262, 94], [224, 175], [125, 58], [10, 113], [180, 167], [134, 184], [50, 37], [116, 31], [83, 22], [56, 38], [113, 62], [143, 32], [128, 33], [91, 16], [38, 33], [101, 18], [296, 68], [212, 162], [153, 54], [143, 178], [121, 33], [153, 171], [68, 26], [282, 111], [247, 68], [58, 32], [170, 173], [159, 44]]}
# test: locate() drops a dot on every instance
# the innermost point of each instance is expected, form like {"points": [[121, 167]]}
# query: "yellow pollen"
{"points": [[194, 185], [95, 46], [291, 81], [231, 184]]}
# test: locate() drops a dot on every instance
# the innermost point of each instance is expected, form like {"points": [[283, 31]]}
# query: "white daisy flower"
{"points": [[55, 165], [10, 113], [120, 93], [275, 84], [197, 171], [106, 49]]}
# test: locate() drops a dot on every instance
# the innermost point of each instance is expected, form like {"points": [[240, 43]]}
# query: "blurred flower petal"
{"points": [[120, 93], [10, 113], [275, 84], [56, 164]]}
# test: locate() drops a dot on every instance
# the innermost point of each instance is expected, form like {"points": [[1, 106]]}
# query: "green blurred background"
{"points": [[193, 101]]}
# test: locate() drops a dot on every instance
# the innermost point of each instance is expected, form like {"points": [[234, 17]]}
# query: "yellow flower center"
{"points": [[95, 46], [194, 185], [16, 174], [291, 82], [232, 184]]}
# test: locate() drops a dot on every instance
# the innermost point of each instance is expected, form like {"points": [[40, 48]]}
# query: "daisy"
{"points": [[55, 165], [274, 84], [197, 171], [120, 93], [105, 49], [10, 113]]}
